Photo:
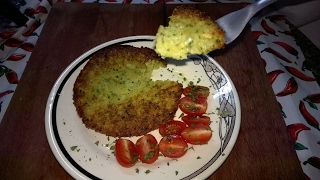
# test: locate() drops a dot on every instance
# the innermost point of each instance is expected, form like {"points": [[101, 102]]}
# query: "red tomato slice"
{"points": [[125, 153], [196, 107], [172, 128], [197, 134], [188, 119], [147, 148], [173, 146], [196, 91]]}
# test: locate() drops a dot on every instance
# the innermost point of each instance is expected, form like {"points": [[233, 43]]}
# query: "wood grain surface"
{"points": [[263, 149]]}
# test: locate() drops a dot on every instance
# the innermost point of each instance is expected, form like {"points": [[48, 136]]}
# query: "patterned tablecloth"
{"points": [[295, 88]]}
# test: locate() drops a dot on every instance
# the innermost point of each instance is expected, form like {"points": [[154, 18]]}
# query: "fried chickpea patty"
{"points": [[115, 95]]}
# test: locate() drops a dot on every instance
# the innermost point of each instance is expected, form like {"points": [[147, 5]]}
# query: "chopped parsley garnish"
{"points": [[181, 115], [73, 148], [137, 170], [198, 80], [147, 171], [177, 172], [149, 155], [169, 150], [97, 143]]}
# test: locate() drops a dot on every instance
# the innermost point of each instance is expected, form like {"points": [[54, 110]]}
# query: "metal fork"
{"points": [[234, 23]]}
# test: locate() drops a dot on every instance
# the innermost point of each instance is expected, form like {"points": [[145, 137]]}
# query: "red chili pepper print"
{"points": [[6, 93], [41, 9], [32, 28], [267, 28], [276, 17], [12, 77], [13, 42], [30, 12], [257, 34], [27, 46], [299, 74], [291, 87], [288, 48], [6, 34], [313, 161], [295, 129], [307, 116], [314, 98], [277, 54], [16, 57], [274, 74]]}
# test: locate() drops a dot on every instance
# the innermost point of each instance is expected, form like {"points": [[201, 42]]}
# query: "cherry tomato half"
{"points": [[147, 149], [173, 146], [125, 153], [193, 107], [197, 134], [189, 119], [196, 91], [172, 128]]}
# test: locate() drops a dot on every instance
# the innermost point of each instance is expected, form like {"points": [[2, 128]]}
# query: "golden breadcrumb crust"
{"points": [[189, 31], [114, 93]]}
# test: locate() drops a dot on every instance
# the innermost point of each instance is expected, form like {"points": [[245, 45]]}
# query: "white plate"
{"points": [[86, 154]]}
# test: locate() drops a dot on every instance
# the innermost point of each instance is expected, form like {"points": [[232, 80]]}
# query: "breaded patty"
{"points": [[189, 31], [115, 95]]}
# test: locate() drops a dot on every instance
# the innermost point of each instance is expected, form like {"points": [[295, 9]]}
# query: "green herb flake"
{"points": [[147, 171], [73, 148], [198, 157], [149, 155], [137, 170], [177, 172], [165, 138], [169, 150], [168, 164], [181, 115], [97, 143]]}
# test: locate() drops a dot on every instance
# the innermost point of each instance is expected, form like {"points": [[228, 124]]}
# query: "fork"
{"points": [[233, 23]]}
